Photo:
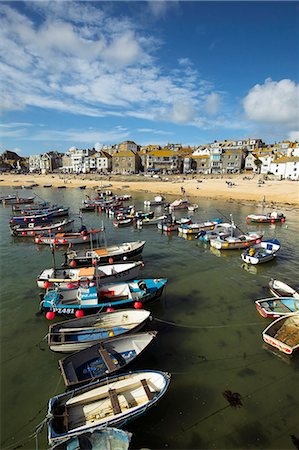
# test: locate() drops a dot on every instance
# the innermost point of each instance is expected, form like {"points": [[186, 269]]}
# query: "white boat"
{"points": [[146, 221], [107, 273], [98, 439], [158, 200], [109, 402], [283, 334], [220, 230], [76, 334], [260, 253], [193, 207], [179, 204], [237, 242], [271, 217], [194, 228], [281, 289]]}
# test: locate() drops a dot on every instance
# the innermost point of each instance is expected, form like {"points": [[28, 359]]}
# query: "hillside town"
{"points": [[220, 157]]}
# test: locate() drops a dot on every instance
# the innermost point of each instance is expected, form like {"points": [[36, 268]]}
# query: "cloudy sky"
{"points": [[87, 73]]}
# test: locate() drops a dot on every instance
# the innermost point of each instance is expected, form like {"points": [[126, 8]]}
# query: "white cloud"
{"points": [[293, 136], [98, 146], [183, 111], [212, 103], [275, 102]]}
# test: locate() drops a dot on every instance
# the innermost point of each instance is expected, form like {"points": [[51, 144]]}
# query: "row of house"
{"points": [[250, 155]]}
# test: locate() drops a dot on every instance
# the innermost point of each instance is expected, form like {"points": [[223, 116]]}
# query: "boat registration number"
{"points": [[64, 310]]}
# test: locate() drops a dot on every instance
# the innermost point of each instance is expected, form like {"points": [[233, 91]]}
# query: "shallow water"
{"points": [[209, 337]]}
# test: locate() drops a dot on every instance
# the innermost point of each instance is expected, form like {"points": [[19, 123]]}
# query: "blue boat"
{"points": [[92, 299], [277, 307], [110, 402], [262, 252], [101, 439]]}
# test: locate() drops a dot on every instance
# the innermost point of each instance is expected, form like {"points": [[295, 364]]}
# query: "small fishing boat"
{"points": [[170, 223], [15, 200], [39, 218], [33, 207], [283, 334], [193, 207], [82, 187], [32, 229], [262, 252], [281, 289], [236, 242], [98, 439], [103, 254], [271, 217], [277, 307], [120, 223], [146, 221], [110, 402], [221, 230], [61, 187], [195, 228], [107, 273], [47, 185], [74, 238], [88, 206], [76, 334], [158, 200], [54, 211], [104, 358], [179, 204], [92, 299]]}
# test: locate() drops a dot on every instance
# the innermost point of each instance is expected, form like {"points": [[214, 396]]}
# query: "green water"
{"points": [[216, 345]]}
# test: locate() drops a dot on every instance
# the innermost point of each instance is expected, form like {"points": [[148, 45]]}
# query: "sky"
{"points": [[93, 73]]}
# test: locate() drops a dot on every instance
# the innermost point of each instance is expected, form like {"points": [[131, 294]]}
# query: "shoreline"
{"points": [[272, 193]]}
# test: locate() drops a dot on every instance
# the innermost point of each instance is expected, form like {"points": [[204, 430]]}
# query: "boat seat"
{"points": [[281, 307], [149, 393], [106, 358], [71, 374], [114, 401]]}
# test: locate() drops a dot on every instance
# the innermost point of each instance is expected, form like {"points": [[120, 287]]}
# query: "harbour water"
{"points": [[209, 336]]}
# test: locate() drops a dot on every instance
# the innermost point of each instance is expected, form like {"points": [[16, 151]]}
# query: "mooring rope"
{"points": [[174, 324]]}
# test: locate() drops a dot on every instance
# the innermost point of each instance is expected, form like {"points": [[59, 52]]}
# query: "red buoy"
{"points": [[50, 315], [47, 284], [283, 220], [109, 309], [94, 261], [24, 233], [70, 286], [137, 305], [38, 241], [64, 241], [79, 313], [73, 263], [85, 238], [110, 260]]}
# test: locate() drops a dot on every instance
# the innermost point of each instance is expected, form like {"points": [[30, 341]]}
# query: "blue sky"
{"points": [[88, 73]]}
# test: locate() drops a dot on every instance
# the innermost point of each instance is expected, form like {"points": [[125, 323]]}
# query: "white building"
{"points": [[286, 167], [103, 162]]}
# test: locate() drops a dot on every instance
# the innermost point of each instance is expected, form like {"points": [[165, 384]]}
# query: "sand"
{"points": [[244, 188]]}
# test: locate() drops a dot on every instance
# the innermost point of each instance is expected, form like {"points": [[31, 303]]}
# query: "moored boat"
{"points": [[277, 307], [32, 229], [179, 204], [107, 273], [73, 238], [158, 200], [283, 334], [15, 200], [193, 207], [221, 230], [89, 300], [98, 439], [237, 242], [104, 358], [104, 254], [126, 222], [109, 402], [76, 334], [262, 252], [195, 228], [271, 217], [280, 289]]}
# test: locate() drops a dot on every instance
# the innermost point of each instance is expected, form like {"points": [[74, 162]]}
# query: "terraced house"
{"points": [[164, 160], [126, 162], [233, 161]]}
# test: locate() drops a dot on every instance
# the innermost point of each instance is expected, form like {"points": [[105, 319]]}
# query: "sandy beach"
{"points": [[242, 188]]}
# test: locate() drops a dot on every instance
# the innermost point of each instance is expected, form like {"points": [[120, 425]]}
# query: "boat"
{"points": [[277, 307], [76, 334], [39, 218], [82, 187], [47, 185], [73, 238], [146, 221], [179, 204], [107, 273], [158, 200], [104, 358], [262, 252], [32, 207], [92, 299], [283, 334], [61, 187], [271, 217], [87, 206], [120, 223], [170, 223], [104, 254], [98, 439], [281, 289], [221, 230], [109, 402], [195, 228], [32, 229], [237, 242], [193, 207], [13, 200]]}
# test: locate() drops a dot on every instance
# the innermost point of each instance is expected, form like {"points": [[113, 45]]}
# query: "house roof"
{"points": [[163, 153], [285, 159], [124, 153]]}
